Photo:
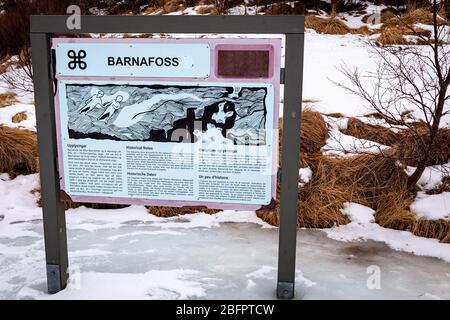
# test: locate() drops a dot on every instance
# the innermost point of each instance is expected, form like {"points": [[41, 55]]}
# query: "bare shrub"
{"points": [[285, 8], [19, 73], [376, 133], [222, 6], [409, 79]]}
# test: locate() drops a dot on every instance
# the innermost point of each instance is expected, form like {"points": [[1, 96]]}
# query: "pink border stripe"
{"points": [[258, 43]]}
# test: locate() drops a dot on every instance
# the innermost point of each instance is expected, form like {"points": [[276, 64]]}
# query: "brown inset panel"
{"points": [[243, 63]]}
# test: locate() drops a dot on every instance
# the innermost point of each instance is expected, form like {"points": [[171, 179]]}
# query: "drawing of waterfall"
{"points": [[153, 112]]}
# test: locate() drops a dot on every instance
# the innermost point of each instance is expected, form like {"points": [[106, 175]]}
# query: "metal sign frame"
{"points": [[41, 30]]}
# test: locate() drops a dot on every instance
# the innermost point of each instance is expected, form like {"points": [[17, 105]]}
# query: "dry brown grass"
{"points": [[172, 6], [7, 99], [371, 180], [145, 35], [334, 181], [335, 115], [437, 229], [395, 27], [406, 22], [421, 32], [326, 25], [320, 200], [3, 66], [313, 134], [393, 212], [392, 35], [376, 133], [5, 63], [335, 26], [175, 211], [19, 117], [69, 204], [314, 22], [310, 101], [388, 13], [366, 179], [207, 10], [408, 149], [420, 16], [18, 151], [152, 9], [168, 7], [283, 9], [362, 30], [385, 15], [443, 187]]}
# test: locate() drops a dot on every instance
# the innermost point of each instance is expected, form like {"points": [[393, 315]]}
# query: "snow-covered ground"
{"points": [[128, 253], [324, 55]]}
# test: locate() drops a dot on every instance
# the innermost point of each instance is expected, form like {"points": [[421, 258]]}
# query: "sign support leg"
{"points": [[289, 166], [52, 206]]}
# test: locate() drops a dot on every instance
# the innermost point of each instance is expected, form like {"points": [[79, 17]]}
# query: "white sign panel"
{"points": [[164, 60], [197, 142]]}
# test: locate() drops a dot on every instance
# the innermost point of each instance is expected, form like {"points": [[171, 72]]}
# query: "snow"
{"points": [[7, 113], [351, 20], [340, 144], [443, 31], [89, 253], [241, 10], [154, 284], [130, 254], [320, 68], [261, 272], [20, 208], [304, 175], [140, 233], [432, 207], [363, 227], [358, 213], [432, 176], [380, 122]]}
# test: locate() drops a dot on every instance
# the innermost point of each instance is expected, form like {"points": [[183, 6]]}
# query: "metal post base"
{"points": [[285, 290], [54, 281]]}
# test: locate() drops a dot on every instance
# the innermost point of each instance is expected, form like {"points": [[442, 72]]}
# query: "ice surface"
{"points": [[135, 255], [363, 227]]}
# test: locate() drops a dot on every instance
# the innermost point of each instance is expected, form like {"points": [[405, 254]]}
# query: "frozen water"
{"points": [[144, 260]]}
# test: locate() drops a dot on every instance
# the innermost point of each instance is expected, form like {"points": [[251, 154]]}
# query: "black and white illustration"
{"points": [[166, 113]]}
